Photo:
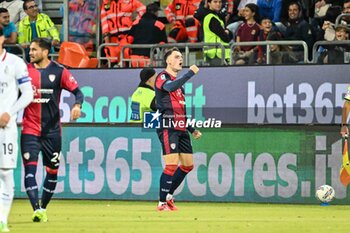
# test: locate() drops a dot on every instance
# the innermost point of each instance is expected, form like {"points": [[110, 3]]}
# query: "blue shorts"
{"points": [[175, 141], [50, 149]]}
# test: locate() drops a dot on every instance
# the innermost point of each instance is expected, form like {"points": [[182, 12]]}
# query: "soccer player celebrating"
{"points": [[41, 127], [13, 77], [175, 140]]}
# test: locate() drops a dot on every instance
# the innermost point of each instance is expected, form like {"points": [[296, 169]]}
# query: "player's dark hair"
{"points": [[43, 43], [3, 10], [169, 52]]}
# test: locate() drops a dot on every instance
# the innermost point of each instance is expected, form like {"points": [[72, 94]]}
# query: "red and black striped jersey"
{"points": [[42, 116], [171, 104]]}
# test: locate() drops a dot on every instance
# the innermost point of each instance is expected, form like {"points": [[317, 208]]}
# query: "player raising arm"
{"points": [[13, 78], [175, 140], [41, 127]]}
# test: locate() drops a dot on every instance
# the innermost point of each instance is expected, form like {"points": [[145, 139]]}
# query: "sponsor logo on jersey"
{"points": [[3, 84], [41, 100], [6, 70], [45, 91]]}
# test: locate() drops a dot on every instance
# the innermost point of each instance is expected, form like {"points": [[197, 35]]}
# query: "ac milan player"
{"points": [[175, 140], [41, 130], [13, 78]]}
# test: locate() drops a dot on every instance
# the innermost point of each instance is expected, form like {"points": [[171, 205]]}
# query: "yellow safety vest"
{"points": [[141, 101], [211, 37], [44, 27]]}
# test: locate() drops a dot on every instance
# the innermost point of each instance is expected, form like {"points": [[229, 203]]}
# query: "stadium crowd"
{"points": [[191, 21]]}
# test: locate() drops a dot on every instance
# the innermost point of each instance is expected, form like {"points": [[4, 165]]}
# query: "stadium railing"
{"points": [[267, 43], [157, 52], [108, 59], [315, 53], [339, 17]]}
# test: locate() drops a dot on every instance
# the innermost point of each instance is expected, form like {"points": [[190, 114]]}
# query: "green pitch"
{"points": [[133, 216]]}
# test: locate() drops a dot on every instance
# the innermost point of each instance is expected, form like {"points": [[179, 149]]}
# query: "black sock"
{"points": [[178, 177], [165, 184], [31, 185], [48, 189]]}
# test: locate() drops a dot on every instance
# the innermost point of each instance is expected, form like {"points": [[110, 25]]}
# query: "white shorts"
{"points": [[8, 147]]}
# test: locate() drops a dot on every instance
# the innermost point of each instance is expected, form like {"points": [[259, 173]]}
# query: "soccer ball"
{"points": [[325, 193]]}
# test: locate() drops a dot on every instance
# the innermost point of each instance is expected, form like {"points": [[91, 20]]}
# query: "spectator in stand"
{"points": [[337, 54], [116, 22], [214, 32], [280, 54], [346, 10], [298, 29], [82, 23], [265, 29], [225, 14], [15, 8], [36, 25], [248, 31], [239, 18], [184, 27], [285, 7], [149, 30], [270, 9], [9, 28], [328, 26]]}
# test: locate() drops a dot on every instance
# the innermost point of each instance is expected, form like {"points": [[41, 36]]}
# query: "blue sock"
{"points": [[165, 184], [31, 185], [48, 189], [178, 177]]}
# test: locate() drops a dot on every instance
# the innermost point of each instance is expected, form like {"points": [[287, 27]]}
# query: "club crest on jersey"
{"points": [[26, 155], [173, 146], [52, 77]]}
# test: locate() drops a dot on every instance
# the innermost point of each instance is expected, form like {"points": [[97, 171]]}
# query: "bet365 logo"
{"points": [[151, 120]]}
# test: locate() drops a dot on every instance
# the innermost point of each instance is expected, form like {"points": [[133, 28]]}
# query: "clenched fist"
{"points": [[194, 68], [75, 113], [197, 134]]}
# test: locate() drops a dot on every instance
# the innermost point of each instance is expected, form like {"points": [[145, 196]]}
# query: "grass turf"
{"points": [[133, 216]]}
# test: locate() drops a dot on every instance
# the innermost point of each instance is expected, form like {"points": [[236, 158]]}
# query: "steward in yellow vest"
{"points": [[143, 99], [214, 32]]}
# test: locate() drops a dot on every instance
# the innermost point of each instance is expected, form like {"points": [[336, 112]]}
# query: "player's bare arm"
{"points": [[4, 119]]}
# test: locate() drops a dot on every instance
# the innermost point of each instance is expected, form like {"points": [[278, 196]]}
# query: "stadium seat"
{"points": [[74, 55]]}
